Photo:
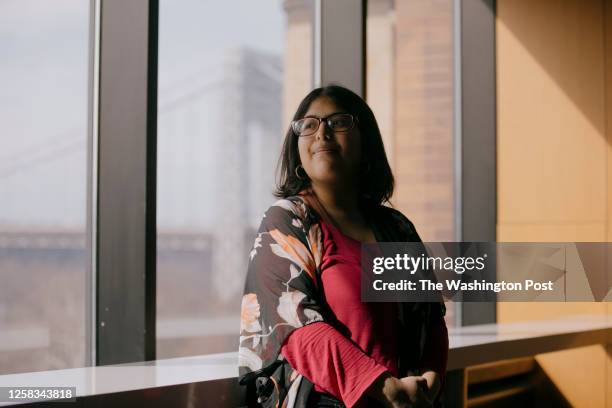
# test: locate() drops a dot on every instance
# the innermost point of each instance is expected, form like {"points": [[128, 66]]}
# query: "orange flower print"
{"points": [[249, 314], [289, 247]]}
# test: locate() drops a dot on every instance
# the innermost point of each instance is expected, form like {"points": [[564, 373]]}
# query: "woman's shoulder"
{"points": [[396, 217], [388, 211], [292, 204], [290, 209]]}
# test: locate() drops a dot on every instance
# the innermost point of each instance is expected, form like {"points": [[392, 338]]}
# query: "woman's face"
{"points": [[329, 157]]}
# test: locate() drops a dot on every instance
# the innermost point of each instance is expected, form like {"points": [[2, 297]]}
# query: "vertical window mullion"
{"points": [[339, 45], [126, 227], [478, 137]]}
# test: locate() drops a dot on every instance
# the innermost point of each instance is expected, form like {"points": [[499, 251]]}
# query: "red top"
{"points": [[344, 358]]}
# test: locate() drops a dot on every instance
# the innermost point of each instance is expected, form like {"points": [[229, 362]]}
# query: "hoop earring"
{"points": [[297, 173]]}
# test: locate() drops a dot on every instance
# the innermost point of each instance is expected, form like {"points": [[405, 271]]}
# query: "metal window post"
{"points": [[125, 156], [476, 150], [339, 44]]}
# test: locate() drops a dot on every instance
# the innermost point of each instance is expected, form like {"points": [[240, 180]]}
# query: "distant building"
{"points": [[219, 137]]}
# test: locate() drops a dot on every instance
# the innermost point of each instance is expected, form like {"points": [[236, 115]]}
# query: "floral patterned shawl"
{"points": [[283, 292]]}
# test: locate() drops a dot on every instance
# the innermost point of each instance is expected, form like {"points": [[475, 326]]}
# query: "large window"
{"points": [[228, 85], [43, 173]]}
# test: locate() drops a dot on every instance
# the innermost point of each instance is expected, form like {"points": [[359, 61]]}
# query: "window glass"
{"points": [[226, 95], [43, 175], [410, 87]]}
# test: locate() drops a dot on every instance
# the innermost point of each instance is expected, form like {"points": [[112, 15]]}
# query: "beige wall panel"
{"points": [[580, 374], [554, 176], [608, 105], [608, 96], [550, 111]]}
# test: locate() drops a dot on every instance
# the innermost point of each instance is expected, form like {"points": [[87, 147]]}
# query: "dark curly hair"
{"points": [[376, 179]]}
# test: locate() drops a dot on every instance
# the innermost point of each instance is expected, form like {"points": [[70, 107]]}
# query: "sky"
{"points": [[44, 85]]}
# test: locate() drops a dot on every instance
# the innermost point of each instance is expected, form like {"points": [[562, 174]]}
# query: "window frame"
{"points": [[124, 177]]}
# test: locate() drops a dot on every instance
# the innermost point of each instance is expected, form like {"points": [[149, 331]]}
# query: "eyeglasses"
{"points": [[337, 122]]}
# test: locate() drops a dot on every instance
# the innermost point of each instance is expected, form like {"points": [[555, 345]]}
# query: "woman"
{"points": [[306, 337]]}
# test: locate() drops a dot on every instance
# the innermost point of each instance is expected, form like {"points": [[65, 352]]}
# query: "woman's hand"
{"points": [[415, 393], [433, 383], [405, 392]]}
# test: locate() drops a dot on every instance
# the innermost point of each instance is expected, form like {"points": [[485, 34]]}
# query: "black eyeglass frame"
{"points": [[354, 122]]}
